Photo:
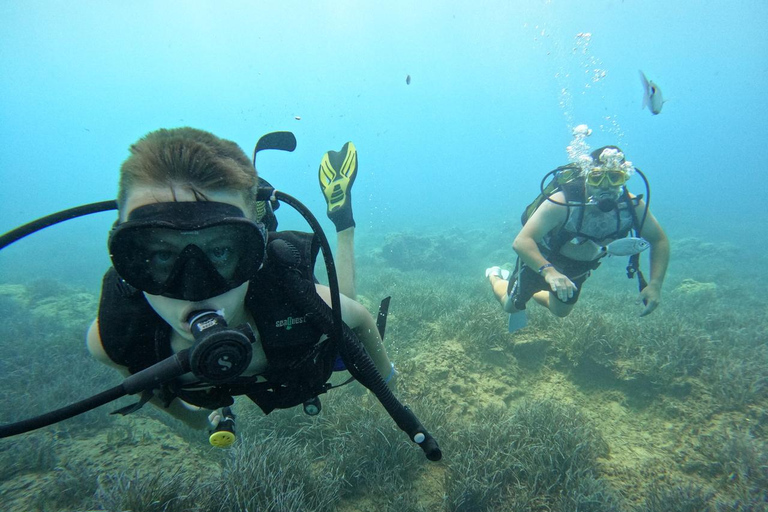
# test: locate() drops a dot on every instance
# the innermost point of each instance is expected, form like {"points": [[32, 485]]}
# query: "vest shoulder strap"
{"points": [[127, 324]]}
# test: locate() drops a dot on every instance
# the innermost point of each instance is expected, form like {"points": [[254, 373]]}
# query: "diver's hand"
{"points": [[559, 283], [215, 418], [651, 297]]}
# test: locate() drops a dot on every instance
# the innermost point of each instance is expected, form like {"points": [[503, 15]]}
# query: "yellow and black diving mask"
{"points": [[615, 178], [190, 250]]}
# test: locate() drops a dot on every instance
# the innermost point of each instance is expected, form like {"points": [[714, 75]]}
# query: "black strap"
{"points": [[146, 396], [633, 267]]}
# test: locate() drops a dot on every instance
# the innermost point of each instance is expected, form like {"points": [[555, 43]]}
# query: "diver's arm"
{"points": [[655, 235], [361, 322], [96, 349], [547, 217], [189, 414]]}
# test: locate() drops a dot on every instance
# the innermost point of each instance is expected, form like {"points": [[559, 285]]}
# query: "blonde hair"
{"points": [[191, 158]]}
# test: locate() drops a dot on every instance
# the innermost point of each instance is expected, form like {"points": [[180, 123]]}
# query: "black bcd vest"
{"points": [[300, 358]]}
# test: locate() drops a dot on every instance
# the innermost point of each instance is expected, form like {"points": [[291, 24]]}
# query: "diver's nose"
{"points": [[197, 278]]}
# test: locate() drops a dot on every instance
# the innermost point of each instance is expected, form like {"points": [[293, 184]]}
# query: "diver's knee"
{"points": [[558, 308], [561, 310], [508, 304]]}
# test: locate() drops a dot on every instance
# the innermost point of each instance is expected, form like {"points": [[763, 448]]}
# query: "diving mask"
{"points": [[615, 178], [609, 165], [190, 250]]}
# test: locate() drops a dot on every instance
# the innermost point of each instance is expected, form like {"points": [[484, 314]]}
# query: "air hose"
{"points": [[167, 369], [49, 220], [302, 292]]}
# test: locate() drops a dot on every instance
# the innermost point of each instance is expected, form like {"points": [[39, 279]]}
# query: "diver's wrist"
{"points": [[654, 284], [545, 267]]}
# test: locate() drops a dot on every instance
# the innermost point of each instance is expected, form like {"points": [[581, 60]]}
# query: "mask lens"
{"points": [[615, 178], [154, 254], [595, 178], [165, 261]]}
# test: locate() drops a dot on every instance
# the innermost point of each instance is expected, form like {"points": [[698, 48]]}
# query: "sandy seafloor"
{"points": [[684, 426]]}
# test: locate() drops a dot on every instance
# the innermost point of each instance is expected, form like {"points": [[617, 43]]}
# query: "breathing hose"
{"points": [[167, 369], [356, 359], [302, 292]]}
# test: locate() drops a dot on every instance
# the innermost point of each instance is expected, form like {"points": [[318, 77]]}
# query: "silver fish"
{"points": [[652, 96], [626, 246]]}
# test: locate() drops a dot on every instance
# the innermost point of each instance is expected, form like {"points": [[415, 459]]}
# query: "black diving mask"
{"points": [[189, 250]]}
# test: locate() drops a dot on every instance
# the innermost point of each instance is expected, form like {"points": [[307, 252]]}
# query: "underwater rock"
{"points": [[62, 306], [691, 248], [410, 251], [531, 352], [691, 289], [453, 250], [14, 293], [67, 311]]}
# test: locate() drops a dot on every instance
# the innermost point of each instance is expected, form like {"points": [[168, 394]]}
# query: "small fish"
{"points": [[626, 246], [652, 96], [407, 79], [298, 118]]}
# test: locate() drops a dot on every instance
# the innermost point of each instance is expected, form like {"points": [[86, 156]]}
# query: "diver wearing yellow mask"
{"points": [[586, 214]]}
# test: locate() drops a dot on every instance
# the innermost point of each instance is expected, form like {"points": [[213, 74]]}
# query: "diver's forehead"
{"points": [[144, 195]]}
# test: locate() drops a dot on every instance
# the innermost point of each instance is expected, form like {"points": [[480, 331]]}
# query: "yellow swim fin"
{"points": [[338, 170]]}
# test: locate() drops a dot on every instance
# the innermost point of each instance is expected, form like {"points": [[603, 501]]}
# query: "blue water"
{"points": [[496, 87]]}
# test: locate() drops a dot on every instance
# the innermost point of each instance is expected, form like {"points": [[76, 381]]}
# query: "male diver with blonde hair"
{"points": [[206, 300]]}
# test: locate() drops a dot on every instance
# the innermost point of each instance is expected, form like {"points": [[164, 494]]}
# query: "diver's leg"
{"points": [[345, 262], [549, 301], [500, 281], [499, 287], [506, 289], [563, 309], [542, 298], [558, 308], [338, 170]]}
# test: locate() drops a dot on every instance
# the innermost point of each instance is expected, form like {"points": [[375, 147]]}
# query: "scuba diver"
{"points": [[582, 215], [205, 300]]}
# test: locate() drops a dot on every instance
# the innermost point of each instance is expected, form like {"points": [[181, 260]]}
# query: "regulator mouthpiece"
{"points": [[606, 205], [220, 354]]}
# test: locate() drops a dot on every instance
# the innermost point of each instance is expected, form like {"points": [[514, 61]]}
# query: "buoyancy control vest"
{"points": [[615, 224], [300, 357]]}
